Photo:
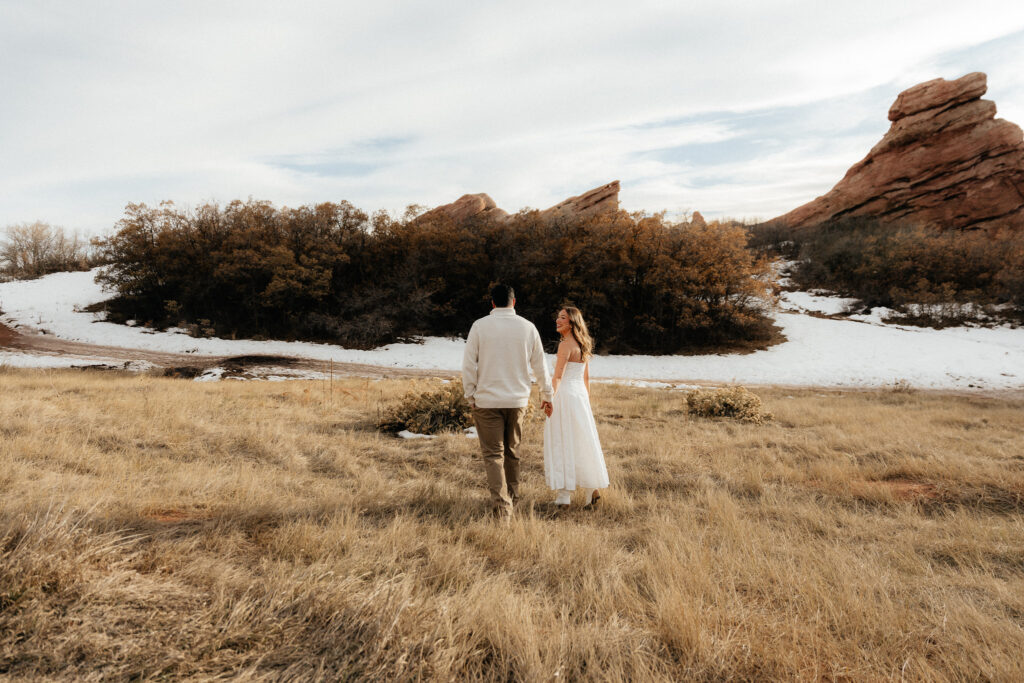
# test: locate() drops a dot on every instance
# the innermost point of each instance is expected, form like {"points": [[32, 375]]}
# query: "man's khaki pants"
{"points": [[500, 431]]}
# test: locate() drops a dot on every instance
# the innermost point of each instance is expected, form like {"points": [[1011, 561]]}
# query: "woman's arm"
{"points": [[560, 360], [586, 376]]}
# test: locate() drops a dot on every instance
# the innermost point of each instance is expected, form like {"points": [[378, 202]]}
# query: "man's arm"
{"points": [[540, 368], [470, 364]]}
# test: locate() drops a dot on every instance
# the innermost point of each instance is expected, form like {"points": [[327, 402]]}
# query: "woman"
{"points": [[572, 450]]}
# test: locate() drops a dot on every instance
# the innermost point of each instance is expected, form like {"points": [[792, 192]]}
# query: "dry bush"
{"points": [[735, 403], [442, 409], [30, 250], [160, 529], [902, 386]]}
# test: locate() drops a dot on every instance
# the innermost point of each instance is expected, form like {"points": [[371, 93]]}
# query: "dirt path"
{"points": [[6, 336], [94, 354], [255, 366]]}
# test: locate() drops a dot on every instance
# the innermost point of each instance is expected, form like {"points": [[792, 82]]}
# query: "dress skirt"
{"points": [[572, 450]]}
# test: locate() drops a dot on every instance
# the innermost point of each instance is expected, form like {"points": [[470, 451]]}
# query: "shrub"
{"points": [[442, 409], [30, 250], [901, 386], [731, 402], [333, 273], [929, 276], [249, 267]]}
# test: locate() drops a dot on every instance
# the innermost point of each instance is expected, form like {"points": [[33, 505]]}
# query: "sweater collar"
{"points": [[503, 311]]}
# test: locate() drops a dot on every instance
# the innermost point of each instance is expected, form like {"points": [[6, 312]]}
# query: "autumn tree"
{"points": [[29, 250], [331, 272]]}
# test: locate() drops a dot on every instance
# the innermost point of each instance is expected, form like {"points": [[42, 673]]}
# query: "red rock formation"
{"points": [[467, 206], [604, 199], [937, 92], [946, 161]]}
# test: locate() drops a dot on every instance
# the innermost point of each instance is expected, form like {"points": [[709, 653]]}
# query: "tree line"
{"points": [[31, 250], [331, 272], [929, 275]]}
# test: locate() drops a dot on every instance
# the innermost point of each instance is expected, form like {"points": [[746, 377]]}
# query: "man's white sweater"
{"points": [[500, 351]]}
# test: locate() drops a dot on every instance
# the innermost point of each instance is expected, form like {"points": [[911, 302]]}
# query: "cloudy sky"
{"points": [[741, 109]]}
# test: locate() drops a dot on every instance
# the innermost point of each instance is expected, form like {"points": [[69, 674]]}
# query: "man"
{"points": [[500, 351]]}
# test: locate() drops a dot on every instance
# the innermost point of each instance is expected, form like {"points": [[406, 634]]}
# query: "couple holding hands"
{"points": [[501, 350]]}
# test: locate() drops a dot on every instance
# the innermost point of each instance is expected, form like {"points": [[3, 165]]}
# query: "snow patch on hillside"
{"points": [[860, 351]]}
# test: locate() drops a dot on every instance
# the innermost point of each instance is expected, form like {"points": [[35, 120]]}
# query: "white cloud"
{"points": [[111, 103]]}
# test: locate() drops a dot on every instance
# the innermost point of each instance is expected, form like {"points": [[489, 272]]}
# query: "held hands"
{"points": [[547, 407]]}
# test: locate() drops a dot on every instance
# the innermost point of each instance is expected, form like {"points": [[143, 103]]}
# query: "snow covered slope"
{"points": [[819, 351]]}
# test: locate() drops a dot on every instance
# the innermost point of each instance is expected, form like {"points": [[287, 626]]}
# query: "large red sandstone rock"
{"points": [[604, 199], [946, 161], [467, 206], [938, 92]]}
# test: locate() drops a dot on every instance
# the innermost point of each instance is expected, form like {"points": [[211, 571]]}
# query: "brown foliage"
{"points": [[931, 276], [444, 408], [331, 272], [735, 403], [30, 250]]}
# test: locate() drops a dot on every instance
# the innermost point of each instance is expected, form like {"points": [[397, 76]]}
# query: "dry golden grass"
{"points": [[156, 528]]}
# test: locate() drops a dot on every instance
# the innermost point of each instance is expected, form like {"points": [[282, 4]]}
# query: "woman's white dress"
{"points": [[572, 450]]}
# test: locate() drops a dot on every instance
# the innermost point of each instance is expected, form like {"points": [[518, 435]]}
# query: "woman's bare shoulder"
{"points": [[569, 347]]}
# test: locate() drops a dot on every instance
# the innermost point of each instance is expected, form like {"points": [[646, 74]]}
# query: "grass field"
{"points": [[156, 528]]}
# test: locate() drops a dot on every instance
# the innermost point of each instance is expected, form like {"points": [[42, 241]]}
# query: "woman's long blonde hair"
{"points": [[579, 331]]}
